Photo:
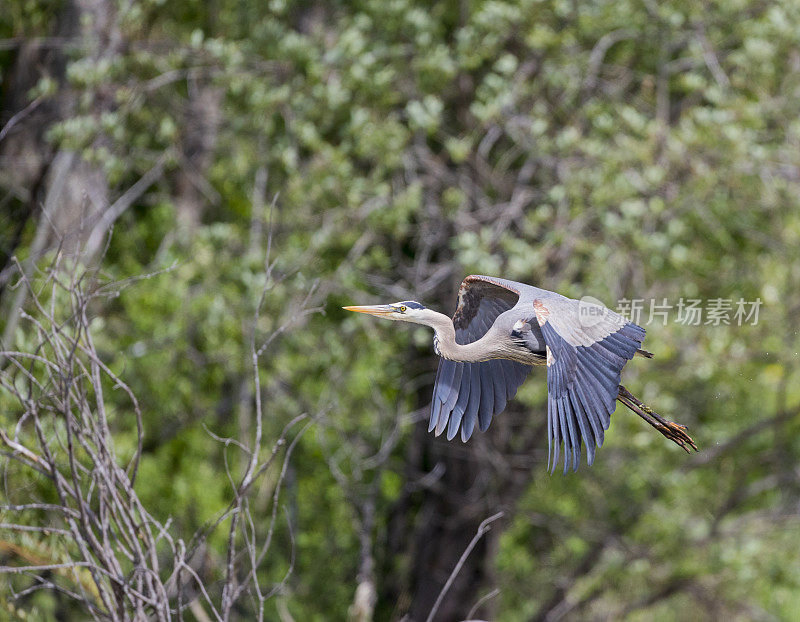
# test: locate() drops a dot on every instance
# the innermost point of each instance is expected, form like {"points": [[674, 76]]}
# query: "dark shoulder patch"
{"points": [[469, 299], [472, 292]]}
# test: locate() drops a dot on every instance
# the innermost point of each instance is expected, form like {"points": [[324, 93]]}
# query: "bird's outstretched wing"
{"points": [[466, 393], [587, 347]]}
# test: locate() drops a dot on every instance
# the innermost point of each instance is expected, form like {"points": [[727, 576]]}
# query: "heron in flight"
{"points": [[500, 330]]}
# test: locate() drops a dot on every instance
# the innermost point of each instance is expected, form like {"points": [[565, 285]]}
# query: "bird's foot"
{"points": [[673, 431], [670, 429]]}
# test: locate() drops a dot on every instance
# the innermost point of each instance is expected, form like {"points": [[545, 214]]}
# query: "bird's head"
{"points": [[405, 311]]}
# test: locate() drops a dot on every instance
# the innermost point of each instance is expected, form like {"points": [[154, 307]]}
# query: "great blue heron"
{"points": [[489, 346]]}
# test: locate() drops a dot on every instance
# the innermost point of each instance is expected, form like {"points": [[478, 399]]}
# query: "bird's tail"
{"points": [[644, 353], [673, 431]]}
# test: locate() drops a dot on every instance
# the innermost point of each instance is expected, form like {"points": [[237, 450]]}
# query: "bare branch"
{"points": [[482, 529], [122, 550]]}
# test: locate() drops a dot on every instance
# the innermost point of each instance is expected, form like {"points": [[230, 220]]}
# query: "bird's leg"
{"points": [[673, 431]]}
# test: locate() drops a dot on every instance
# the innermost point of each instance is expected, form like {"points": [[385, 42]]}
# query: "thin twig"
{"points": [[481, 600], [40, 568], [482, 529]]}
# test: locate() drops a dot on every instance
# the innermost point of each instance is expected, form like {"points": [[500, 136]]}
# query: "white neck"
{"points": [[448, 348]]}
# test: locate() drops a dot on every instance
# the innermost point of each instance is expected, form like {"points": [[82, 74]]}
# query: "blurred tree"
{"points": [[386, 149]]}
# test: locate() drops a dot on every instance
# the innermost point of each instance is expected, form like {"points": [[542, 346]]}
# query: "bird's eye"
{"points": [[402, 308]]}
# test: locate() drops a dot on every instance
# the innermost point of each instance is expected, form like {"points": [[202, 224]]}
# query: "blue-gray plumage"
{"points": [[500, 330]]}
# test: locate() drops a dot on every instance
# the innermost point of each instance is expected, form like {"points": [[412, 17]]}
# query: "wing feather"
{"points": [[583, 372], [605, 360], [461, 403], [452, 395], [436, 403], [466, 394], [594, 392], [499, 380], [575, 438], [515, 375], [613, 360], [566, 432], [471, 414], [612, 345], [594, 418], [444, 383], [448, 392], [551, 434], [587, 434], [487, 399], [608, 382]]}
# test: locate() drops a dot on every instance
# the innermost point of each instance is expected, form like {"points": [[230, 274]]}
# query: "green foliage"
{"points": [[491, 137]]}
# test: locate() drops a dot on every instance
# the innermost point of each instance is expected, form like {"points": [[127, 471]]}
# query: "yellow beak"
{"points": [[377, 310]]}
